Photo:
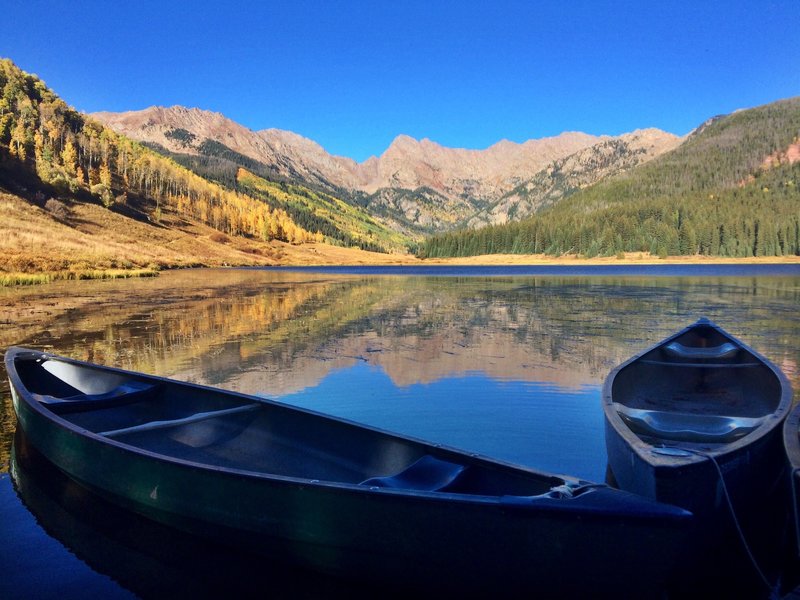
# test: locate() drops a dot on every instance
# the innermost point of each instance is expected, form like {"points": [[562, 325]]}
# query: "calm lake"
{"points": [[506, 361]]}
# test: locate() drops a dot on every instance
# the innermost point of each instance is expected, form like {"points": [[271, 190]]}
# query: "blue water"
{"points": [[536, 424], [502, 361], [35, 565]]}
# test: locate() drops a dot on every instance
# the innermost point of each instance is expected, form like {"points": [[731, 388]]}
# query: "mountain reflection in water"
{"points": [[282, 334]]}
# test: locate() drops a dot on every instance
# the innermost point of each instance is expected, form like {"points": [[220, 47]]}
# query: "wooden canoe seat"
{"points": [[426, 474], [125, 393], [677, 350], [687, 427]]}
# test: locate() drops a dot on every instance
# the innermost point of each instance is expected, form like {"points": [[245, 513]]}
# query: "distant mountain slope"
{"points": [[565, 176], [338, 221], [415, 186], [730, 189], [721, 154], [406, 164]]}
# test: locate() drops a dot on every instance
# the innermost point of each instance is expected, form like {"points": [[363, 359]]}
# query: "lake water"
{"points": [[503, 361]]}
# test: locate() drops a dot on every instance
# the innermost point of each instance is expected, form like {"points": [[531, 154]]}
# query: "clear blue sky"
{"points": [[353, 75]]}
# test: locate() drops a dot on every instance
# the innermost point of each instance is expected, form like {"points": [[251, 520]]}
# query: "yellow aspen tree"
{"points": [[216, 217], [105, 174], [43, 167], [17, 145], [38, 146], [275, 231], [69, 158], [263, 225]]}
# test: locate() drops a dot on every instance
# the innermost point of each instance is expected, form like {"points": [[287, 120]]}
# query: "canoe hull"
{"points": [[381, 535], [661, 444], [791, 442], [676, 464]]}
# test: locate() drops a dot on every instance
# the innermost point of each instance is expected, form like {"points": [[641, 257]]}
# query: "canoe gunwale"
{"points": [[791, 437]]}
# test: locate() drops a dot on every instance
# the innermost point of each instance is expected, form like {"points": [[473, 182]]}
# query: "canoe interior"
{"points": [[700, 389], [229, 431]]}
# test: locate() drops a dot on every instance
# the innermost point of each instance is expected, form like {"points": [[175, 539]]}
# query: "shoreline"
{"points": [[368, 259], [320, 255], [351, 257], [94, 243]]}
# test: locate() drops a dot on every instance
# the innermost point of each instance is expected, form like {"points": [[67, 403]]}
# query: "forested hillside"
{"points": [[318, 211], [730, 190], [312, 208], [48, 151]]}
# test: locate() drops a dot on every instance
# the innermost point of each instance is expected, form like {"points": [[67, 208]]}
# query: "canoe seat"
{"points": [[677, 350], [181, 421], [125, 393], [426, 474], [687, 427]]}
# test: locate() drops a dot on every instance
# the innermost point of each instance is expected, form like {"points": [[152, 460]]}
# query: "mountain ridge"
{"points": [[417, 186]]}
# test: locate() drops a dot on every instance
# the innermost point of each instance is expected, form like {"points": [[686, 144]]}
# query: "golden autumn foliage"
{"points": [[73, 153]]}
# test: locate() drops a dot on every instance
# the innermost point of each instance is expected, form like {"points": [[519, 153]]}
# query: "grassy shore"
{"points": [[11, 279], [92, 242]]}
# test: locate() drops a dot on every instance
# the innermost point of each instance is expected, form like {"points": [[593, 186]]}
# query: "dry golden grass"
{"points": [[95, 242], [325, 254], [96, 239]]}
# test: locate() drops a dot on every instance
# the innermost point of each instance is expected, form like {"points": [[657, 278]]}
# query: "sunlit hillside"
{"points": [[79, 198], [339, 223]]}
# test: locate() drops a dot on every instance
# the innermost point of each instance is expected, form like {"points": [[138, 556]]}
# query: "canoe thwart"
{"points": [[426, 474], [202, 416], [678, 350], [687, 427], [125, 393], [701, 365]]}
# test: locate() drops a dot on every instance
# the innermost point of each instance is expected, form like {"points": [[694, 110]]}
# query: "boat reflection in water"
{"points": [[145, 557]]}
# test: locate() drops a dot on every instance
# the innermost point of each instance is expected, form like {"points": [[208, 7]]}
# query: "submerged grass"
{"points": [[9, 279], [12, 279]]}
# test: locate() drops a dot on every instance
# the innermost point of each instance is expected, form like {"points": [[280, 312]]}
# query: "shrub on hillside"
{"points": [[57, 209]]}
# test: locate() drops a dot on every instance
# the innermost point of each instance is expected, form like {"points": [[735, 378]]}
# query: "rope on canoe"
{"points": [[739, 530], [793, 481]]}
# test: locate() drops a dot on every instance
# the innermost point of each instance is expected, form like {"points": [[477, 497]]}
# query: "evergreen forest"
{"points": [[731, 189]]}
